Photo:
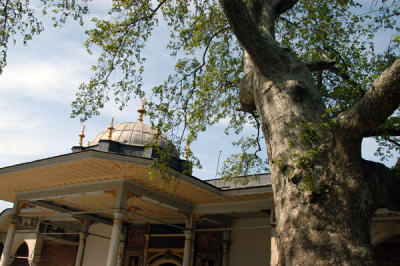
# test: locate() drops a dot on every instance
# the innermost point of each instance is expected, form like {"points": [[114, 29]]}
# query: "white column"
{"points": [[189, 237], [121, 254], [82, 242], [115, 239], [225, 246], [5, 257], [38, 246], [120, 203], [146, 245]]}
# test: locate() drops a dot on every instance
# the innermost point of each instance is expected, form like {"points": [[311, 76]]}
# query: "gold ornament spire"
{"points": [[111, 129], [81, 136], [187, 152], [157, 134], [142, 111]]}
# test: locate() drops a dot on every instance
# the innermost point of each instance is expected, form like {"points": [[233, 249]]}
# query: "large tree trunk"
{"points": [[325, 195], [321, 218]]}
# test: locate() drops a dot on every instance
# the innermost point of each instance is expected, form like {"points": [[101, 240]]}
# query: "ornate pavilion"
{"points": [[99, 205]]}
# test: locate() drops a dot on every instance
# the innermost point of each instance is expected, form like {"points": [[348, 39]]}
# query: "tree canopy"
{"points": [[348, 43], [316, 77]]}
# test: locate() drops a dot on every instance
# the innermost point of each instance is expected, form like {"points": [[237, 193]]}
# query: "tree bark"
{"points": [[324, 194]]}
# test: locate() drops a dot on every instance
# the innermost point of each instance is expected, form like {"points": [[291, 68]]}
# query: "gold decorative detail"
{"points": [[187, 152], [114, 165], [80, 220], [142, 111], [81, 136], [187, 215], [197, 216], [111, 192], [117, 221], [111, 129], [133, 208], [157, 135], [132, 195], [22, 204]]}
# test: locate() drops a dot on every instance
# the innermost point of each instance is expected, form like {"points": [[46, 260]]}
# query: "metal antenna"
{"points": [[219, 157]]}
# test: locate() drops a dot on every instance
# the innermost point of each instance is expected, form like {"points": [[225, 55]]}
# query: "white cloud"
{"points": [[43, 80], [10, 121]]}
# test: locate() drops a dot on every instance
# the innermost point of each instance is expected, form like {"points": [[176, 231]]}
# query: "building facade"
{"points": [[107, 204]]}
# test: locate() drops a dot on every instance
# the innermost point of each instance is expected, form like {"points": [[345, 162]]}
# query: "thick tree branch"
{"points": [[382, 131], [284, 5], [378, 103], [329, 65], [321, 65], [393, 141], [384, 183], [262, 48]]}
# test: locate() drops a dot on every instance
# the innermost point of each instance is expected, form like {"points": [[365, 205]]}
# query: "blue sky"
{"points": [[39, 84]]}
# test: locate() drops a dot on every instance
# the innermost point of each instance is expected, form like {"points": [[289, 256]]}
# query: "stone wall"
{"points": [[250, 246]]}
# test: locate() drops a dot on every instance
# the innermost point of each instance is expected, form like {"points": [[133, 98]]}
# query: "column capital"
{"points": [[118, 216], [113, 250], [188, 232], [5, 256], [83, 236]]}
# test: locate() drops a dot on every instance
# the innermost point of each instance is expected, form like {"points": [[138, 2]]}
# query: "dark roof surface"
{"points": [[242, 182]]}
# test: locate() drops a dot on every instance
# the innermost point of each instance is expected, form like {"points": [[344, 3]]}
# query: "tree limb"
{"points": [[319, 65], [262, 48], [284, 5], [378, 103], [382, 131], [385, 185], [393, 141], [329, 65]]}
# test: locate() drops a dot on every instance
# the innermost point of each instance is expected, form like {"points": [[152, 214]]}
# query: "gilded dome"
{"points": [[132, 133]]}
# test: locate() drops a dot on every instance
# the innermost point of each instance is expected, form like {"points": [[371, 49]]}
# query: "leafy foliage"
{"points": [[347, 33], [200, 93], [203, 89], [343, 31], [18, 21]]}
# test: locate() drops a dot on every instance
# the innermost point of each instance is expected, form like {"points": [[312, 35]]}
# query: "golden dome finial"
{"points": [[142, 111], [81, 136], [157, 134], [187, 152], [111, 129]]}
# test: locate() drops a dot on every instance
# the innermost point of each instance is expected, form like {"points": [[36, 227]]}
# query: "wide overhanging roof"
{"points": [[87, 182]]}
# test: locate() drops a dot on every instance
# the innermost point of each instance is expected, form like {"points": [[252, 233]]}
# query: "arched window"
{"points": [[21, 256], [388, 252], [166, 259]]}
